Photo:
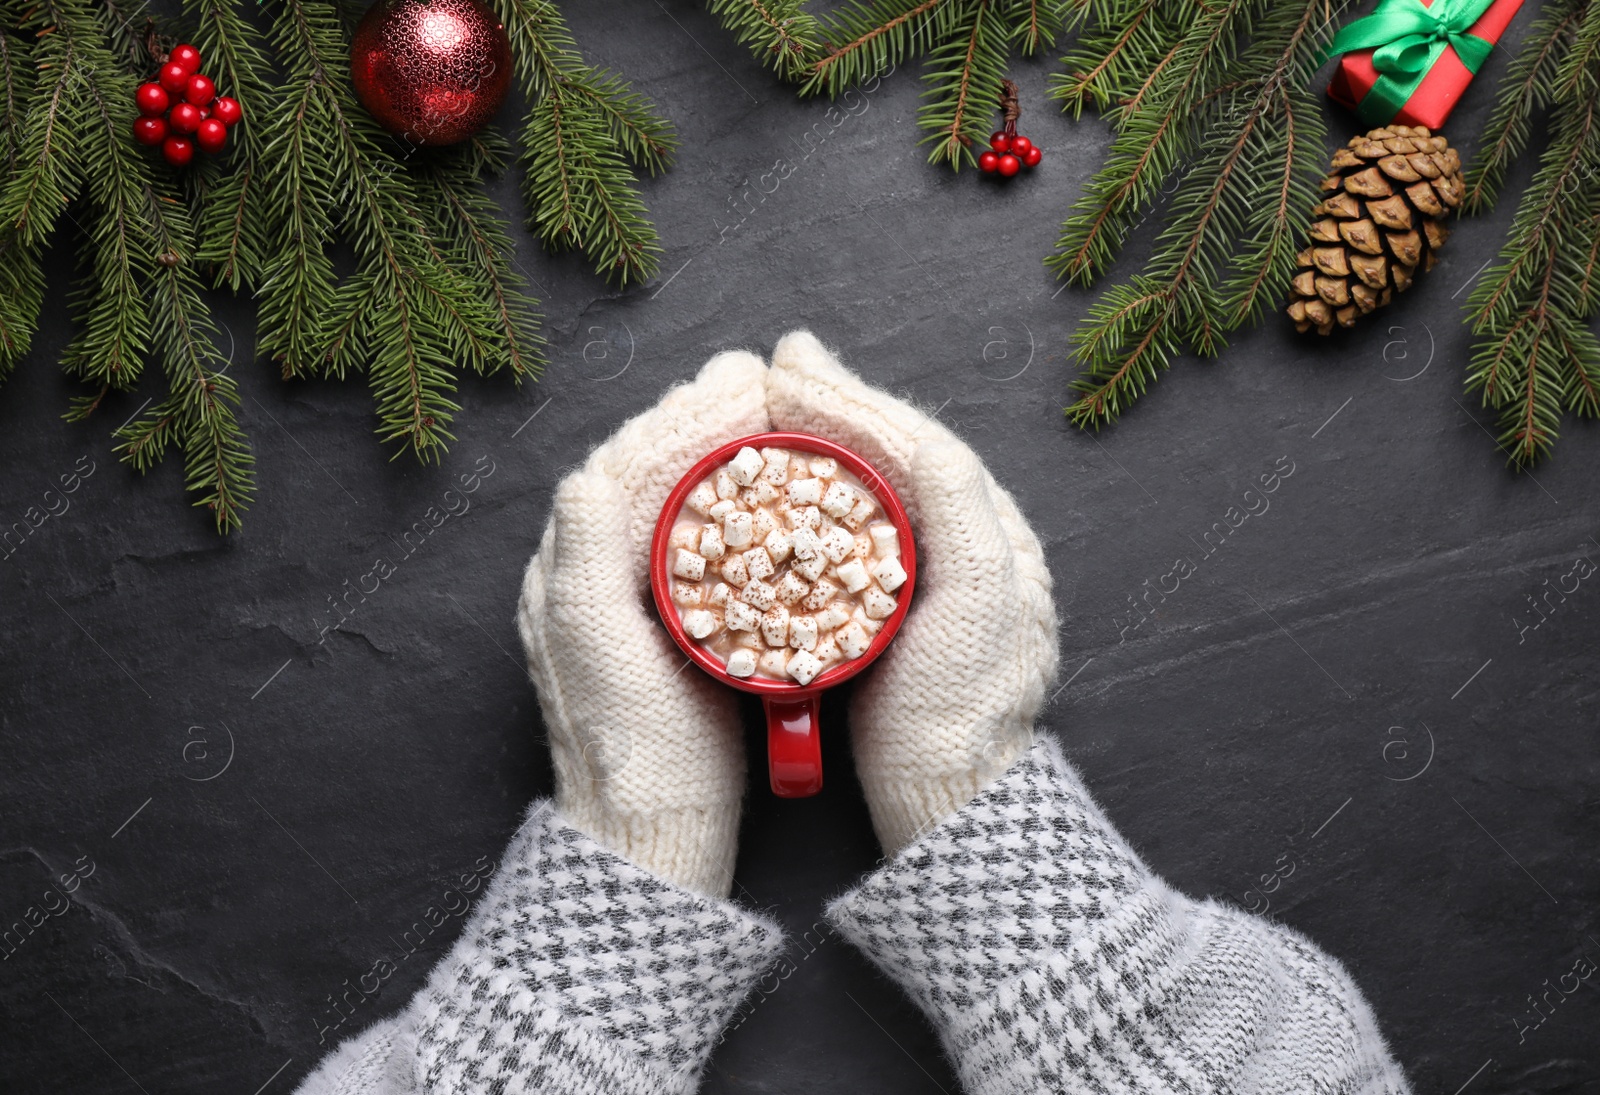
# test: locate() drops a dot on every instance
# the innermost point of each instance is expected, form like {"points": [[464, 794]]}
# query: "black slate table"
{"points": [[1337, 719]]}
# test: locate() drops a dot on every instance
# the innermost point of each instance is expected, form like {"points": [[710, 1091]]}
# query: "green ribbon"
{"points": [[1407, 38]]}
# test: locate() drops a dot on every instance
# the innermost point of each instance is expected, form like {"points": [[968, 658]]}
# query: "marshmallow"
{"points": [[758, 594], [877, 604], [836, 544], [684, 536], [791, 588], [776, 472], [775, 626], [821, 594], [711, 545], [838, 500], [862, 548], [686, 564], [745, 466], [741, 617], [827, 651], [865, 622], [727, 489], [803, 667], [861, 514], [761, 525], [811, 517], [779, 544], [738, 529], [686, 594], [741, 663], [807, 545], [699, 623], [702, 498], [799, 467], [833, 617], [802, 632], [720, 593], [810, 569], [747, 640], [805, 492], [722, 509], [852, 640], [824, 467], [853, 576], [766, 493], [890, 574], [758, 564], [734, 572], [885, 539], [773, 662]]}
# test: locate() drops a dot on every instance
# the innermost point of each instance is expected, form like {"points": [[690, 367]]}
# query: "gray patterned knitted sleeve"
{"points": [[1051, 960], [579, 973]]}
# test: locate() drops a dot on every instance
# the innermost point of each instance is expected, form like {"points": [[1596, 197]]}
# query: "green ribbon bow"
{"points": [[1407, 38]]}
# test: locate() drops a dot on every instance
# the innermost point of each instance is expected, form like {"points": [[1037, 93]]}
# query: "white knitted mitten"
{"points": [[649, 760], [951, 704]]}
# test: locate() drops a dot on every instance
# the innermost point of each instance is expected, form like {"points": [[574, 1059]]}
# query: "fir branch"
{"points": [[21, 296], [1534, 354], [234, 235], [867, 37], [1233, 219], [965, 73], [480, 243], [584, 131], [16, 87], [781, 34], [1526, 88]]}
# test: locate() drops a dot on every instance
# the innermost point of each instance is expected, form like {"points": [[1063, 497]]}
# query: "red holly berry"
{"points": [[1009, 165], [227, 111], [173, 78], [1000, 141], [150, 131], [1020, 146], [211, 135], [185, 118], [152, 100], [178, 151], [200, 90], [187, 56], [988, 161], [1033, 157]]}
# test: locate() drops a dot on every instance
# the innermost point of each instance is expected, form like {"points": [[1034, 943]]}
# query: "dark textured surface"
{"points": [[1250, 724]]}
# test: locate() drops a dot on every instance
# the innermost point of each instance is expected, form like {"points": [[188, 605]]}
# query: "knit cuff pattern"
{"points": [[1050, 959], [585, 973]]}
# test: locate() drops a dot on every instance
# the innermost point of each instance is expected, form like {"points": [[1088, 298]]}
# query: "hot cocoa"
{"points": [[783, 564]]}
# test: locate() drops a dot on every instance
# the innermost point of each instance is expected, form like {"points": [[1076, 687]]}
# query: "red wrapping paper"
{"points": [[1430, 105]]}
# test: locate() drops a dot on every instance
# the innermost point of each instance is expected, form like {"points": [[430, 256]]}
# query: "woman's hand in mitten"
{"points": [[951, 703], [649, 760]]}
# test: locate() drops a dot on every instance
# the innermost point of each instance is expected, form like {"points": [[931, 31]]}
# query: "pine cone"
{"points": [[1382, 221]]}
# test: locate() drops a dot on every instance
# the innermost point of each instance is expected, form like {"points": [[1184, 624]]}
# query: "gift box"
{"points": [[1410, 60]]}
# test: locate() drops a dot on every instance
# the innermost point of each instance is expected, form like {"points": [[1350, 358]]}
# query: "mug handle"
{"points": [[794, 748]]}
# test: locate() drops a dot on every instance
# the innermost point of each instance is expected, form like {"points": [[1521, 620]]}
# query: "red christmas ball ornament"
{"points": [[173, 78], [150, 131], [988, 162], [178, 151], [1009, 165], [227, 111], [211, 135], [431, 71], [152, 100], [185, 56], [200, 90], [1020, 145], [1033, 157], [184, 118]]}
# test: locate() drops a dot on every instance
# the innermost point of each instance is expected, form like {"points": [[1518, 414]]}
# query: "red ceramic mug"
{"points": [[794, 746]]}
